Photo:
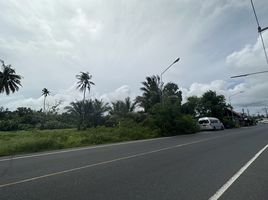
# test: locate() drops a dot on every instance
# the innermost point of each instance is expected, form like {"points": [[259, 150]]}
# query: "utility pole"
{"points": [[232, 110], [260, 30]]}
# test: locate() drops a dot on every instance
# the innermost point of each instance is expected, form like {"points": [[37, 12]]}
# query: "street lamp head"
{"points": [[177, 60]]}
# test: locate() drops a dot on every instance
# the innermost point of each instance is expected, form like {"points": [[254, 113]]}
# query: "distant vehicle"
{"points": [[210, 123], [263, 121]]}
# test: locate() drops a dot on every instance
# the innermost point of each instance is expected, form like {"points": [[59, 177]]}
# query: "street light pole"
{"points": [[161, 77], [231, 104]]}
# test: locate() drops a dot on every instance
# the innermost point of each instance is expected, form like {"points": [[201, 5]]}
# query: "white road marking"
{"points": [[225, 187], [103, 163], [79, 149]]}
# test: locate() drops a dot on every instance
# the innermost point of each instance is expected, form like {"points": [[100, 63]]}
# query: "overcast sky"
{"points": [[120, 42]]}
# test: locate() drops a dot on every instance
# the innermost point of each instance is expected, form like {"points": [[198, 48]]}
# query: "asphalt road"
{"points": [[183, 167]]}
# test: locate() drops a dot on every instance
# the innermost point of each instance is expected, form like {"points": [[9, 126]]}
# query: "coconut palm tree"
{"points": [[9, 80], [95, 110], [75, 109], [84, 83], [45, 93], [151, 93], [99, 109], [172, 93]]}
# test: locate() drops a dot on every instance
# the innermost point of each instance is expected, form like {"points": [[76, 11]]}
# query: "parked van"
{"points": [[210, 123]]}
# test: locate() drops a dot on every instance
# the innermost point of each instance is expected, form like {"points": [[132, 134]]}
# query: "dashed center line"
{"points": [[104, 162]]}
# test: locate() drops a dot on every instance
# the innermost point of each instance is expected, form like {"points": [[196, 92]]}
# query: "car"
{"points": [[210, 123]]}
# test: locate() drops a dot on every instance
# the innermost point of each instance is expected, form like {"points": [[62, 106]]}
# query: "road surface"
{"points": [[229, 164]]}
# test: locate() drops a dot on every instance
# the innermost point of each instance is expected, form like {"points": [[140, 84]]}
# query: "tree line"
{"points": [[158, 107]]}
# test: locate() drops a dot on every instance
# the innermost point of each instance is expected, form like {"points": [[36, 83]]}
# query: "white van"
{"points": [[210, 123]]}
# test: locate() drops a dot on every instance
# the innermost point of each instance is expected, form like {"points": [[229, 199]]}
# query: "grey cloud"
{"points": [[121, 42]]}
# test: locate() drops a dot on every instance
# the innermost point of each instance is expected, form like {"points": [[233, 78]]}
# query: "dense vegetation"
{"points": [[158, 111]]}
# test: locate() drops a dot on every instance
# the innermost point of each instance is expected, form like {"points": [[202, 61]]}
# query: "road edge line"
{"points": [[228, 184], [103, 163]]}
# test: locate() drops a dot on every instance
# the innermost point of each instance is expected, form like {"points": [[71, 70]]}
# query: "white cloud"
{"points": [[251, 57], [248, 59], [65, 97], [119, 94]]}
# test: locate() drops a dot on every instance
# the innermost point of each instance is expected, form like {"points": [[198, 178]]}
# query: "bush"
{"points": [[229, 123], [169, 120], [9, 125], [25, 127], [187, 124], [54, 125]]}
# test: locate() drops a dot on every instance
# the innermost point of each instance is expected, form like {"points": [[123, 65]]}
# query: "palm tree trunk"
{"points": [[84, 96], [44, 103], [84, 110]]}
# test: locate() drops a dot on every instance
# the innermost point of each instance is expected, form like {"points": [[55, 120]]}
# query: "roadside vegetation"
{"points": [[39, 140], [157, 112]]}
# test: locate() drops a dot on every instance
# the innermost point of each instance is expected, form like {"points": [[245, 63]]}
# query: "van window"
{"points": [[204, 121]]}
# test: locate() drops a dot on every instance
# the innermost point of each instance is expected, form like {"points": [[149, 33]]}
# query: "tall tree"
{"points": [[9, 80], [172, 93], [84, 83], [191, 107], [45, 93], [151, 93], [212, 105]]}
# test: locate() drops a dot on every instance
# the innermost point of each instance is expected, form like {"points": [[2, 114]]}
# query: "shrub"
{"points": [[54, 125], [9, 125], [229, 123], [187, 124], [169, 120], [25, 126]]}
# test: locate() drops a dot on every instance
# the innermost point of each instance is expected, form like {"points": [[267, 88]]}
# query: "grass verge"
{"points": [[36, 140]]}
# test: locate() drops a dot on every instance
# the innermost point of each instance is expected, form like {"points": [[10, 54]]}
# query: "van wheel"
{"points": [[214, 128]]}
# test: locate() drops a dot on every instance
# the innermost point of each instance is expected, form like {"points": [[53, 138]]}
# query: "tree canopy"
{"points": [[151, 93], [9, 80], [210, 104], [84, 82]]}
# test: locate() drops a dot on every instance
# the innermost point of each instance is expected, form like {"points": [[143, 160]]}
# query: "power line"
{"points": [[257, 20], [260, 30]]}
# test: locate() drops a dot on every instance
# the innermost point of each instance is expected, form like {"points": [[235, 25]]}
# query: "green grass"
{"points": [[36, 140]]}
